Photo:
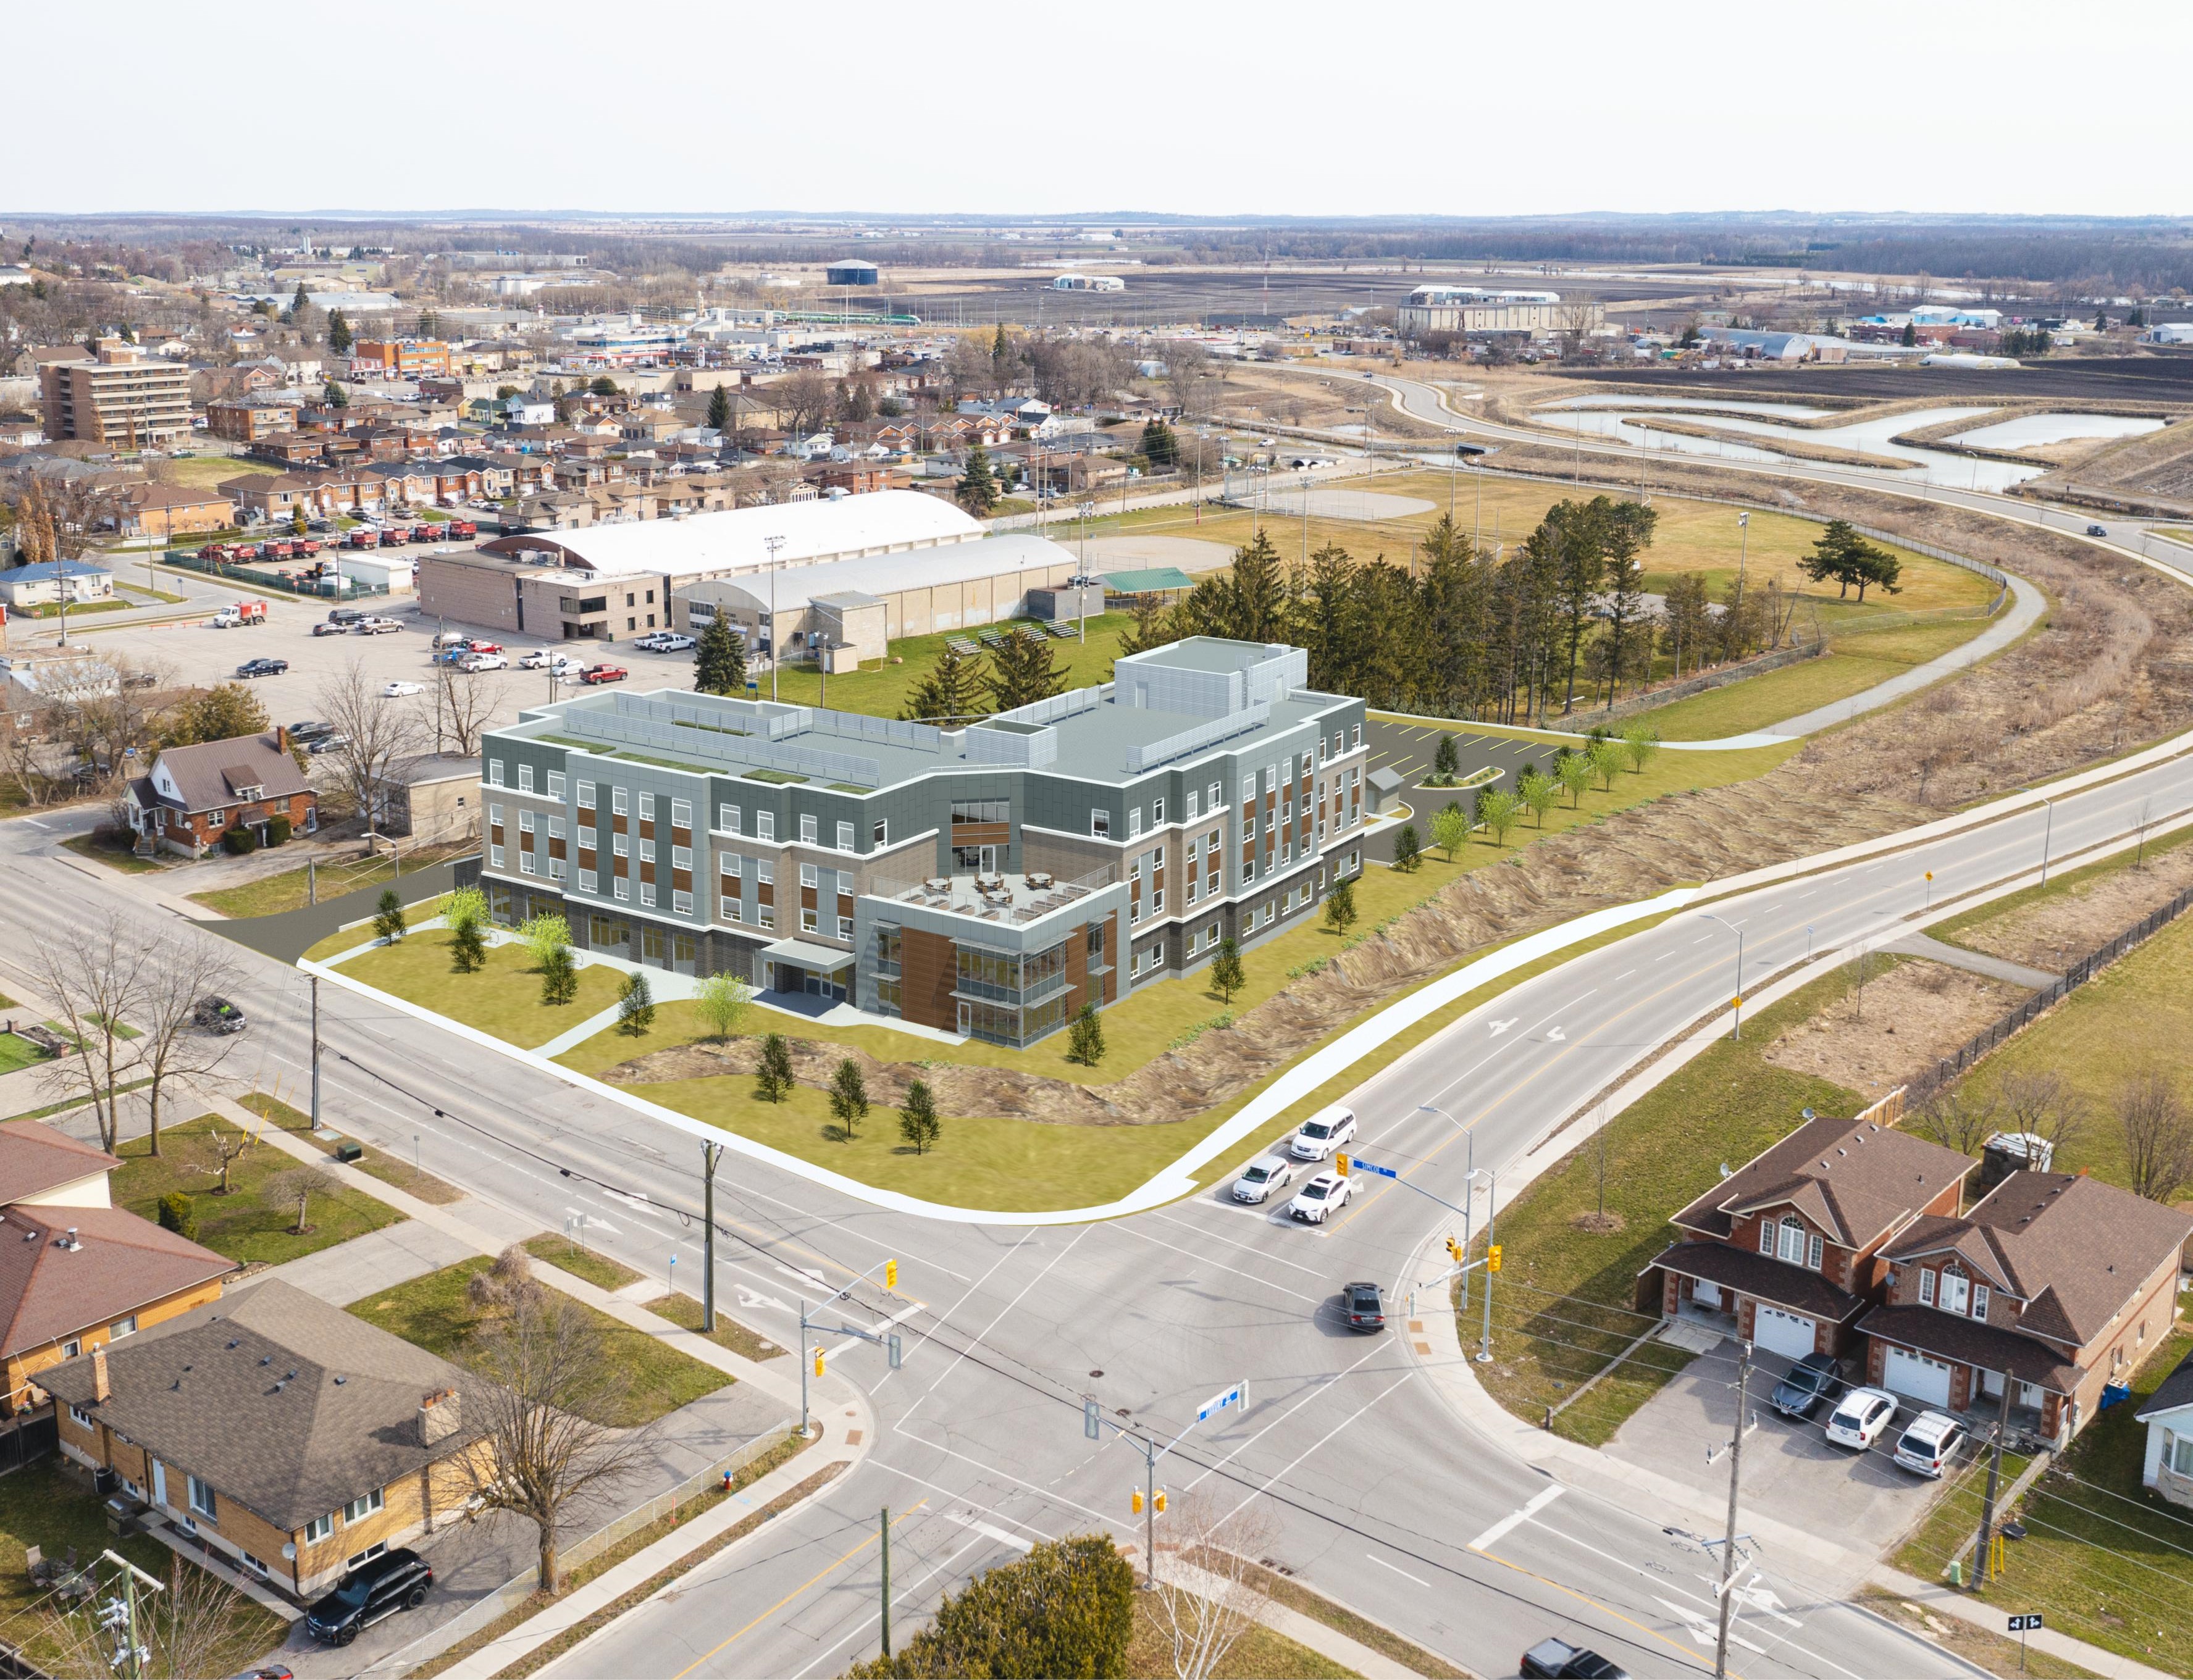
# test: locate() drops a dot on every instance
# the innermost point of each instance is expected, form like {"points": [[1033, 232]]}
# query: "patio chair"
{"points": [[34, 1560]]}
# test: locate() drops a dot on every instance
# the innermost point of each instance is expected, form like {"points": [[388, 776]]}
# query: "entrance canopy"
{"points": [[801, 954]]}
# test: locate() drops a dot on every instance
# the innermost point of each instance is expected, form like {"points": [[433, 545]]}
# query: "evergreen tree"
{"points": [[719, 410], [1002, 358], [389, 917], [1340, 906], [773, 1076], [917, 1118], [636, 1006], [1246, 604], [301, 303], [1084, 1041], [1226, 974], [340, 338], [1160, 445], [1446, 760], [1023, 671], [719, 660], [559, 976], [849, 1097], [1407, 847], [334, 396], [468, 948], [978, 485], [1153, 626], [1910, 335], [951, 690], [299, 525]]}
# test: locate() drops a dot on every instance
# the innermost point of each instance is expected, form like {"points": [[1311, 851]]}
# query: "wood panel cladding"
{"points": [[929, 969]]}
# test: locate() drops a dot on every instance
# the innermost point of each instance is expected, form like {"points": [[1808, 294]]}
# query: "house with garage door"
{"points": [[1786, 1251], [2058, 1285]]}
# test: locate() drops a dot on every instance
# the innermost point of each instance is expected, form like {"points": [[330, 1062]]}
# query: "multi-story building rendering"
{"points": [[115, 395], [986, 880]]}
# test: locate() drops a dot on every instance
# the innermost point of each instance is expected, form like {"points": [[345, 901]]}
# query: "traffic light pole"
{"points": [[1094, 1423], [886, 1338]]}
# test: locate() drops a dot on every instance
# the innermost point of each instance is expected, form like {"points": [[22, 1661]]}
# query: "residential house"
{"points": [[2169, 1414], [51, 581], [284, 1433], [77, 1273], [270, 496], [859, 478], [196, 794], [1789, 1246], [171, 509], [292, 448], [2062, 1285]]}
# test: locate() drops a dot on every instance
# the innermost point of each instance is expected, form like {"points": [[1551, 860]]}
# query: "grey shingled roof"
{"points": [[209, 773], [211, 1394]]}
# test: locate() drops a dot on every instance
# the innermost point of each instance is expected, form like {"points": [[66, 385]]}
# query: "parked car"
{"points": [[603, 673], [668, 643], [477, 660], [344, 615], [218, 1014], [1810, 1381], [652, 640], [377, 626], [1363, 1306], [478, 646], [327, 744], [2097, 530], [380, 1587], [398, 690], [140, 679], [453, 638], [1264, 1174], [323, 628], [309, 731], [1320, 1197], [262, 668], [1324, 1132], [1930, 1444], [1860, 1417], [1557, 1659]]}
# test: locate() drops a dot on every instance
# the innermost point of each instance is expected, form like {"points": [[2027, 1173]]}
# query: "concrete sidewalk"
{"points": [[1945, 1600], [1973, 962]]}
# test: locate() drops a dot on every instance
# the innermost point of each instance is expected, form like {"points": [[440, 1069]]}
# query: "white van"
{"points": [[1324, 1131]]}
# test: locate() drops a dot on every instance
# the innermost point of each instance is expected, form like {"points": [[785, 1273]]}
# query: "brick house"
{"points": [[2060, 1283], [171, 509], [282, 1431], [1790, 1245], [196, 794], [78, 1274]]}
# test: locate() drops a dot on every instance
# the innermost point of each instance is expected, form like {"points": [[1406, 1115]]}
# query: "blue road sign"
{"points": [[1359, 1163]]}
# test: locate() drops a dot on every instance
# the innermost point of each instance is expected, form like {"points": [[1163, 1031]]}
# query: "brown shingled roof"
{"points": [[35, 1158], [1856, 1180], [49, 1290]]}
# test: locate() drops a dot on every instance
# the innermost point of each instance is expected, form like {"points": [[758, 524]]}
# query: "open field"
{"points": [[203, 472], [436, 1313], [291, 889]]}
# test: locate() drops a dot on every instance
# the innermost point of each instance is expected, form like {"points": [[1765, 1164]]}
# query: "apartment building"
{"points": [[406, 358], [987, 880], [115, 395]]}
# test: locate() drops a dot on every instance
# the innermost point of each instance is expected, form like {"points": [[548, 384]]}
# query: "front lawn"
{"points": [[685, 1312], [2102, 1558], [251, 1222], [565, 1255], [390, 1170], [291, 889], [100, 849], [503, 999], [17, 1053], [42, 1506], [1565, 1302], [438, 1313]]}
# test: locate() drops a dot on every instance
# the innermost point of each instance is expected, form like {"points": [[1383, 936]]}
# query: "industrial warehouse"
{"points": [[845, 574]]}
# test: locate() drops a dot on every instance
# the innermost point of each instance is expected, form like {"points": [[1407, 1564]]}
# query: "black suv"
{"points": [[1558, 1660], [218, 1014], [1361, 1304], [395, 1580]]}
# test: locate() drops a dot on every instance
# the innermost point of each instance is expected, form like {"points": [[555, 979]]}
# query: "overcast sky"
{"points": [[1428, 107]]}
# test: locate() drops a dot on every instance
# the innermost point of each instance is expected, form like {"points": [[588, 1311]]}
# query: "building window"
{"points": [[362, 1507], [1955, 1290], [880, 834], [681, 813], [681, 903], [121, 1328], [621, 887], [525, 822], [765, 917], [647, 894], [525, 779], [1926, 1288], [365, 1557], [494, 857], [319, 1528], [806, 920], [727, 818], [1359, 734], [495, 773], [589, 882], [1100, 824], [1980, 1301], [765, 825], [807, 831], [1216, 796], [555, 783], [1157, 813], [620, 844], [808, 877], [1191, 804], [1271, 778], [1793, 1242], [616, 801], [681, 857], [734, 910], [1813, 1252], [586, 796], [202, 1500], [845, 836], [556, 869], [728, 865], [82, 1419], [646, 849], [647, 807], [555, 828], [764, 871], [1135, 822], [526, 865]]}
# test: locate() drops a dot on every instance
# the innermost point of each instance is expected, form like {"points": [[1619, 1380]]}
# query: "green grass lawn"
{"points": [[17, 1053], [2104, 1559], [685, 1312], [114, 857], [436, 1312], [882, 690], [389, 1169], [1565, 1302], [271, 895], [1261, 1654], [350, 939], [250, 1223], [502, 999], [598, 1269], [205, 472], [40, 1506]]}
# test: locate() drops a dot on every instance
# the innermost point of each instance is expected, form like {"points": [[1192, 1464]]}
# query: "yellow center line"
{"points": [[1597, 1604], [829, 1568]]}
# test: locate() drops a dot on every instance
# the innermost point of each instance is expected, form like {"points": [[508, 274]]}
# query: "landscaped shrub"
{"points": [[175, 1215], [277, 831], [240, 840], [1066, 1608]]}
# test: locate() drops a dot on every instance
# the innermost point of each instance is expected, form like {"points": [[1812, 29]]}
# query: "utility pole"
{"points": [[311, 880], [776, 649], [1987, 1505], [1728, 1539], [886, 1525], [1492, 1263], [803, 1368], [316, 1054], [710, 1154], [2047, 835], [1743, 551]]}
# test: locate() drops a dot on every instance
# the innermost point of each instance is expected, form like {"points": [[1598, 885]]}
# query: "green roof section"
{"points": [[1154, 581]]}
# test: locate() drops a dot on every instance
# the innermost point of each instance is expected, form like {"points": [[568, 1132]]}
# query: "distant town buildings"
{"points": [[115, 395]]}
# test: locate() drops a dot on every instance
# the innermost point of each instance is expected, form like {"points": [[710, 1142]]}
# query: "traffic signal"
{"points": [[1161, 1501], [890, 1274], [1340, 1164], [1138, 1501], [1493, 1258], [818, 1362], [1454, 1251]]}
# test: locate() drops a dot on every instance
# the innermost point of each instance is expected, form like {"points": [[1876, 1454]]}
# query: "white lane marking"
{"points": [[1625, 974], [989, 1531], [1701, 939], [1207, 1261], [1537, 1503], [1501, 1026], [1288, 1468], [1309, 1394], [1554, 1035], [34, 822], [1701, 1631], [1403, 1574]]}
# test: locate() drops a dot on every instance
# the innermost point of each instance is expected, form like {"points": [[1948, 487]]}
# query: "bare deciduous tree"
{"points": [[187, 1628], [183, 971], [1206, 1595], [464, 703], [2044, 1105], [548, 1379], [300, 1184], [804, 399], [2158, 1134], [1958, 1119], [96, 975], [376, 733]]}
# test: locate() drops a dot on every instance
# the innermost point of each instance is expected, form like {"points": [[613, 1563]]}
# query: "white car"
{"points": [[540, 659], [1860, 1417], [1320, 1197], [482, 662], [398, 690], [1930, 1444], [1324, 1132], [1266, 1173], [672, 643]]}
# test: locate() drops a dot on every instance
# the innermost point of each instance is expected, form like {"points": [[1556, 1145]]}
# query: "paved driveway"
{"points": [[1790, 1471]]}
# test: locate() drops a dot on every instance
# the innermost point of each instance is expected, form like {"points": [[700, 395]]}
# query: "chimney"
{"points": [[101, 1389], [437, 1417], [281, 737]]}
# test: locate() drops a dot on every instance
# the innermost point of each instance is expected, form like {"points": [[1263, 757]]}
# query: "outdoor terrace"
{"points": [[1012, 901]]}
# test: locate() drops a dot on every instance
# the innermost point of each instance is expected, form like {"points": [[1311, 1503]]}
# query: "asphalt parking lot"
{"points": [[1407, 749]]}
